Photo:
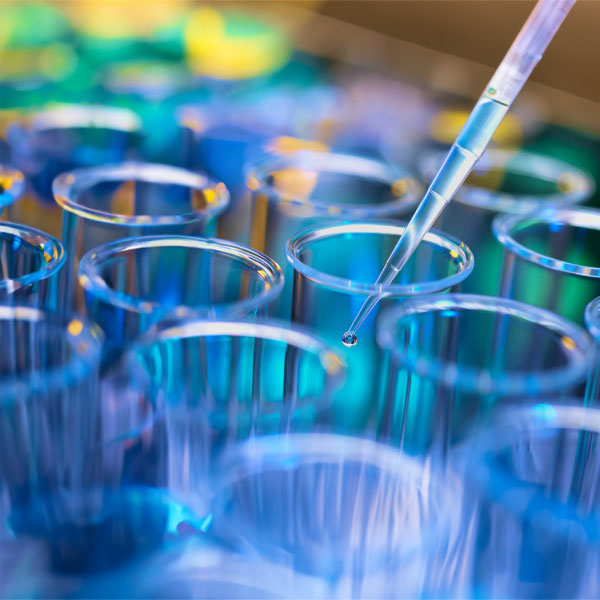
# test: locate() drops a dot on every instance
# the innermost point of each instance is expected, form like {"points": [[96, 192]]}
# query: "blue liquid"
{"points": [[465, 152], [90, 532]]}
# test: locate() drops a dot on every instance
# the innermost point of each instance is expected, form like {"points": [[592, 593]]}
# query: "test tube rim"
{"points": [[34, 237], [524, 164], [11, 194], [267, 329], [85, 338], [94, 284], [66, 187], [507, 490], [504, 227], [332, 448], [294, 246], [256, 174], [85, 116], [479, 380], [592, 318]]}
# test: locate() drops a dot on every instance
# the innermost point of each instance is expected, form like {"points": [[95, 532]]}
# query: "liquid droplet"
{"points": [[349, 339]]}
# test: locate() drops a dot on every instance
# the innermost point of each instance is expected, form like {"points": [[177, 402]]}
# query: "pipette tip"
{"points": [[349, 339]]}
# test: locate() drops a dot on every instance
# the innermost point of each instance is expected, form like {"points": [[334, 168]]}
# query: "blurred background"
{"points": [[394, 74]]}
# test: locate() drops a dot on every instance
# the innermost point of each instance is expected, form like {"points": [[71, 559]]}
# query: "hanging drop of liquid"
{"points": [[349, 339]]}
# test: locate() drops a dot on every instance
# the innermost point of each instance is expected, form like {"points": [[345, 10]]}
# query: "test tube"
{"points": [[12, 185], [335, 265], [362, 516], [30, 262], [551, 258], [57, 462], [533, 479], [592, 321], [131, 284], [453, 359], [294, 190], [503, 182], [102, 204], [213, 383], [48, 410], [63, 138]]}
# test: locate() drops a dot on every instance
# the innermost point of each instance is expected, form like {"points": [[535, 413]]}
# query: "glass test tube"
{"points": [[60, 139], [592, 321], [292, 191], [12, 185], [505, 182], [533, 478], [454, 358], [448, 362], [551, 258], [48, 411], [214, 383], [103, 204], [59, 472], [365, 518], [30, 262], [335, 266], [133, 283]]}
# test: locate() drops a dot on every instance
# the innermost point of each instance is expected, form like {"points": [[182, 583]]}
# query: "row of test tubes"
{"points": [[178, 417]]}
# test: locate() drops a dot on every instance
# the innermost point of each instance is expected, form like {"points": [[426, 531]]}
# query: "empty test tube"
{"points": [[295, 189], [132, 284], [551, 258], [103, 204], [214, 383], [364, 517], [329, 283], [456, 358], [533, 480], [61, 139]]}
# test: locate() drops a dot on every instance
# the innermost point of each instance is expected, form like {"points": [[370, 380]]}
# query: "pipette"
{"points": [[499, 94]]}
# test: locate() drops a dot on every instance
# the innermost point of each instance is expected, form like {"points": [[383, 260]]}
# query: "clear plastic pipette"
{"points": [[499, 94]]}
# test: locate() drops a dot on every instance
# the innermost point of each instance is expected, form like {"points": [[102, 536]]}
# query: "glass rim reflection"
{"points": [[287, 452], [345, 165], [457, 252], [52, 250], [84, 116], [505, 228], [575, 341], [67, 186], [266, 329], [266, 268], [83, 337], [520, 162]]}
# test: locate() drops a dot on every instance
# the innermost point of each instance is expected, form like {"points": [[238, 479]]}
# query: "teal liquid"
{"points": [[465, 152]]}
